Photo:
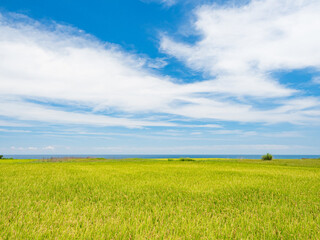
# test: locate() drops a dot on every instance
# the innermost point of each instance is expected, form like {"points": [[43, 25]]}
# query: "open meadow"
{"points": [[160, 199]]}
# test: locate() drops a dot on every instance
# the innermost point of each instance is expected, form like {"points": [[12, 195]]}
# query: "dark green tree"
{"points": [[267, 157]]}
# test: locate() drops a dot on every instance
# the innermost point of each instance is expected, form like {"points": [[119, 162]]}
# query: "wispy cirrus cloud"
{"points": [[167, 3], [14, 131], [316, 80]]}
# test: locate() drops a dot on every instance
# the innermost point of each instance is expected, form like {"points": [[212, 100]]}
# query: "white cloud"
{"points": [[23, 148], [14, 131], [279, 134], [32, 148], [203, 126], [62, 67], [57, 64], [48, 148], [295, 111], [235, 132], [316, 80], [4, 123], [240, 46], [157, 63], [167, 3], [34, 112]]}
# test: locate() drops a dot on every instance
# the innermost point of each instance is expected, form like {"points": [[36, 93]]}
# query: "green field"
{"points": [[160, 199]]}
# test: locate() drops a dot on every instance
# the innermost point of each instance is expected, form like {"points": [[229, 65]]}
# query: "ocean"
{"points": [[155, 156]]}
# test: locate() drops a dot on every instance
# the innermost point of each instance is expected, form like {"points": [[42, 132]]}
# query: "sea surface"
{"points": [[154, 156]]}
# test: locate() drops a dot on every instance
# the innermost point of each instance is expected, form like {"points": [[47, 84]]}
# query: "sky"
{"points": [[159, 77]]}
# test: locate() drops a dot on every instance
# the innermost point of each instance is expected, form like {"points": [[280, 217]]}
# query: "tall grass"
{"points": [[218, 199]]}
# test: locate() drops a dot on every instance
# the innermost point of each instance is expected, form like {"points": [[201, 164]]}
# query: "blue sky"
{"points": [[159, 77]]}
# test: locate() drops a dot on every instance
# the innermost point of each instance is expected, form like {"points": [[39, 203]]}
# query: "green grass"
{"points": [[160, 199]]}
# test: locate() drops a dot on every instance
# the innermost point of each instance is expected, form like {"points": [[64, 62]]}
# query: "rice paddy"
{"points": [[160, 199]]}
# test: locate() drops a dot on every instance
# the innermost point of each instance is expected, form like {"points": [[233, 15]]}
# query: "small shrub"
{"points": [[267, 157], [1, 156], [182, 159], [186, 160]]}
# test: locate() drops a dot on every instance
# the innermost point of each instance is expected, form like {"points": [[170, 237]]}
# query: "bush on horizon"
{"points": [[182, 159], [186, 159], [267, 157]]}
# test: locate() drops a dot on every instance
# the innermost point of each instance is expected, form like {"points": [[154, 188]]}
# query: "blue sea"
{"points": [[155, 156]]}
